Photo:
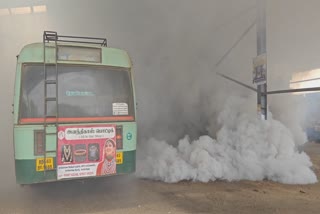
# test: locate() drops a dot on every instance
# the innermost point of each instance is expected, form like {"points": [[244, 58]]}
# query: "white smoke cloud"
{"points": [[245, 148]]}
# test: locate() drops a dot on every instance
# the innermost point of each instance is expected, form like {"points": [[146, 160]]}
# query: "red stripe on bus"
{"points": [[76, 119]]}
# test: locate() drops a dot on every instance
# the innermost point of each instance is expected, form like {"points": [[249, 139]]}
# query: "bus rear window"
{"points": [[83, 92]]}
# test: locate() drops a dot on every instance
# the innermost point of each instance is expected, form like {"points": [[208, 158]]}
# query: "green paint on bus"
{"points": [[95, 88]]}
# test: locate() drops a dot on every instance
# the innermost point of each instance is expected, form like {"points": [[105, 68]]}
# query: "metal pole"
{"points": [[262, 49]]}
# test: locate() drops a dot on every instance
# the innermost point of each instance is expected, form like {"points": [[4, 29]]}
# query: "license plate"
{"points": [[119, 158], [40, 164]]}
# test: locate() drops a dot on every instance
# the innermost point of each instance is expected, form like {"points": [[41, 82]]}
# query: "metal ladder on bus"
{"points": [[50, 120]]}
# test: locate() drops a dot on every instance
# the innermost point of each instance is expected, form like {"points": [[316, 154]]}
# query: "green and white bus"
{"points": [[74, 110]]}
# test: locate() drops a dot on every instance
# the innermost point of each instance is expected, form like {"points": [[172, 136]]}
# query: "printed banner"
{"points": [[260, 69], [85, 151]]}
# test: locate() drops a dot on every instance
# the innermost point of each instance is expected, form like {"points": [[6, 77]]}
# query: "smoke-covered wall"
{"points": [[174, 46]]}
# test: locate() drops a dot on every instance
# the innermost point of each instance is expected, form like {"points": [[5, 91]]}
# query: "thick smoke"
{"points": [[245, 148], [225, 140], [174, 46]]}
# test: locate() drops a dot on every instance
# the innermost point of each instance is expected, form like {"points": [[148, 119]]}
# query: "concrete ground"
{"points": [[127, 194]]}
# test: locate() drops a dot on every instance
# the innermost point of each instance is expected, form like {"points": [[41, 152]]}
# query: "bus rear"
{"points": [[74, 112]]}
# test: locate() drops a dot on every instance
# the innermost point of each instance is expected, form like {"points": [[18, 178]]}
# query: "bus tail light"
{"points": [[119, 137], [38, 142]]}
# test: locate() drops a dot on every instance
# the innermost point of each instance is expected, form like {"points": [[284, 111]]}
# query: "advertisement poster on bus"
{"points": [[85, 151]]}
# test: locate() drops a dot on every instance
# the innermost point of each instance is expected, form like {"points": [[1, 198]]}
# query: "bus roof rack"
{"points": [[53, 36]]}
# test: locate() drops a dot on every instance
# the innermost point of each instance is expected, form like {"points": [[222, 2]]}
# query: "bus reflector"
{"points": [[38, 142], [119, 137]]}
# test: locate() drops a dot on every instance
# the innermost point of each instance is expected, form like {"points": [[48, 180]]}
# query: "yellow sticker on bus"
{"points": [[119, 158], [40, 164]]}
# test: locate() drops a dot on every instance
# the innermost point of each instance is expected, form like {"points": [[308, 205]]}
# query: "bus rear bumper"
{"points": [[26, 170]]}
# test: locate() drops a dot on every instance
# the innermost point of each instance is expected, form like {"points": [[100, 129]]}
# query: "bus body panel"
{"points": [[25, 158], [24, 139], [110, 56]]}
